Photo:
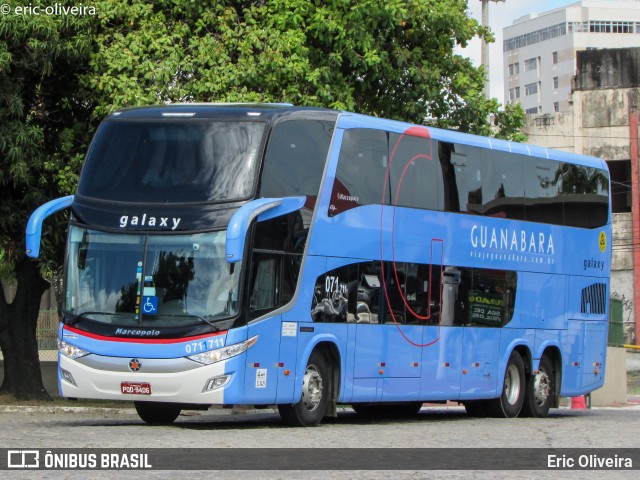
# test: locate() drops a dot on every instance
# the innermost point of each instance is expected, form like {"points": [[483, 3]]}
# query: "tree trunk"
{"points": [[18, 321]]}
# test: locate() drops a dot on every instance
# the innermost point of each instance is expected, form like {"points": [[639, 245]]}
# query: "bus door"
{"points": [[442, 339], [490, 300]]}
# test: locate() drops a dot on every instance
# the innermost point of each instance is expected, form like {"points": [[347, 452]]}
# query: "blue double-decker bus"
{"points": [[306, 258]]}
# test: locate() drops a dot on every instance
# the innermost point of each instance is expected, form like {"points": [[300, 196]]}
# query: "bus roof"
{"points": [[273, 111], [216, 110], [352, 120]]}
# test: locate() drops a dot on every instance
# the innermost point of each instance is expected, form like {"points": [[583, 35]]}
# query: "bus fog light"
{"points": [[213, 356], [66, 376], [215, 383], [70, 351]]}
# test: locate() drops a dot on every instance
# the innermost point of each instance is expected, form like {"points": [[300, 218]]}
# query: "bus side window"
{"points": [[583, 185], [334, 295], [275, 263], [463, 178], [295, 158], [361, 172], [543, 201], [502, 183], [415, 175]]}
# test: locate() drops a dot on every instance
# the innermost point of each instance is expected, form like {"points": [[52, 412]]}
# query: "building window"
{"points": [[532, 38], [517, 92], [556, 106], [512, 94], [555, 58], [596, 26], [555, 83], [530, 111], [620, 171], [530, 89], [579, 27], [530, 64], [623, 27]]}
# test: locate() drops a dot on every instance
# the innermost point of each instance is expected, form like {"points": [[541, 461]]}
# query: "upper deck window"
{"points": [[173, 161]]}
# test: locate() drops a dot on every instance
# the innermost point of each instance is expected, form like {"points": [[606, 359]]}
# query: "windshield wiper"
{"points": [[190, 315], [75, 318]]}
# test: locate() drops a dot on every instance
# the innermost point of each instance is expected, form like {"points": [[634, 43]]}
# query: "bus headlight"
{"points": [[213, 356], [71, 351]]}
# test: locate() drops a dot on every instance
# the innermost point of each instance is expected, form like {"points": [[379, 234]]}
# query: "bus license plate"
{"points": [[131, 388]]}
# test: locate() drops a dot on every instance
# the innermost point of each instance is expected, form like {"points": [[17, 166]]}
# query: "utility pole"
{"points": [[484, 54]]}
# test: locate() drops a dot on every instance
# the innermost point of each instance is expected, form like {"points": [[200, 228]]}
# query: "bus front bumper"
{"points": [[177, 380]]}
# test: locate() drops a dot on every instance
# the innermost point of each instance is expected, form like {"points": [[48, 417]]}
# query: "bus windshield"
{"points": [[172, 161], [149, 280]]}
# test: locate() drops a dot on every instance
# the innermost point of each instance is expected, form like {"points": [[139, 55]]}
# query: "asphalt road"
{"points": [[435, 427]]}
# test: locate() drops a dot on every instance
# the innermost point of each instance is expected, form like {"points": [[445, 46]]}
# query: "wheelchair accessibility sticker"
{"points": [[149, 305]]}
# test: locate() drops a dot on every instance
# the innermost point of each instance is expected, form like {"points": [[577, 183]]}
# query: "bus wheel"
{"points": [[540, 390], [311, 408], [157, 413], [509, 404]]}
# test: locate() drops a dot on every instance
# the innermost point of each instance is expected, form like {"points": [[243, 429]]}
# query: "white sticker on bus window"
{"points": [[289, 329], [261, 378]]}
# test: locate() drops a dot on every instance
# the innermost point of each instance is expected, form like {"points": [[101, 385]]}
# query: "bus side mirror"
{"points": [[264, 209], [34, 226]]}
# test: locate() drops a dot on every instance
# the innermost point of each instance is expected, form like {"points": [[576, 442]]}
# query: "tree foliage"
{"points": [[388, 58], [40, 141]]}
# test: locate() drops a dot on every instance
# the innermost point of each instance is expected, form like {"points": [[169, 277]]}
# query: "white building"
{"points": [[539, 49]]}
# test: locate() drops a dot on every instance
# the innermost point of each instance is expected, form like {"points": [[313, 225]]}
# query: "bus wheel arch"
{"points": [[320, 388]]}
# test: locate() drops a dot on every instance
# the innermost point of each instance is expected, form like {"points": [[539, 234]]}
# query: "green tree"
{"points": [[388, 58], [40, 128]]}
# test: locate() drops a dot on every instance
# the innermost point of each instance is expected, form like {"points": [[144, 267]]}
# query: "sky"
{"points": [[502, 14]]}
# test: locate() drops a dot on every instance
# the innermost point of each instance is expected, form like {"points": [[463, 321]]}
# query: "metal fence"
{"points": [[46, 334]]}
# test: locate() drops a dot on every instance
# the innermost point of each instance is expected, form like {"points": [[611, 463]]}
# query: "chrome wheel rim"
{"points": [[512, 384], [312, 388], [541, 387]]}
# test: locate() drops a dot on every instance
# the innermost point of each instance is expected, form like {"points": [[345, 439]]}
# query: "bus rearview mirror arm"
{"points": [[264, 209], [34, 226]]}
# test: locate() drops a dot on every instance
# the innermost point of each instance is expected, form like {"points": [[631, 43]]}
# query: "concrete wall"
{"points": [[614, 391]]}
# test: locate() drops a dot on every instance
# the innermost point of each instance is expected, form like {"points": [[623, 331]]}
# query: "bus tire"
{"points": [[311, 408], [509, 404], [540, 390], [157, 413]]}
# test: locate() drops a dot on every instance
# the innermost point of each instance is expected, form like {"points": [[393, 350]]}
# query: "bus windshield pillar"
{"points": [[264, 209], [34, 226]]}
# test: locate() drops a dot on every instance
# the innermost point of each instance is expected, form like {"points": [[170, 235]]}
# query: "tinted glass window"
{"points": [[502, 183], [295, 158], [465, 177], [275, 264], [585, 192], [543, 201], [362, 168], [172, 161], [415, 175], [418, 294]]}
